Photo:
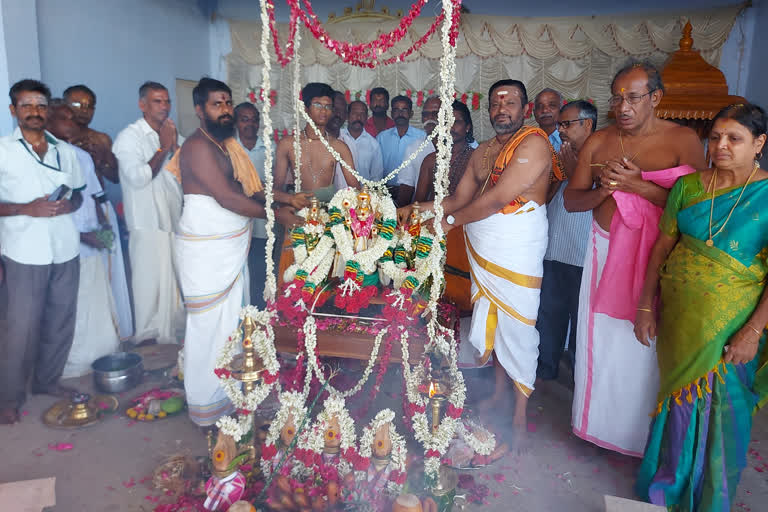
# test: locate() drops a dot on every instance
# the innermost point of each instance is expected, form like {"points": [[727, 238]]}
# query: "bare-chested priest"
{"points": [[623, 175], [317, 164], [221, 191], [500, 204]]}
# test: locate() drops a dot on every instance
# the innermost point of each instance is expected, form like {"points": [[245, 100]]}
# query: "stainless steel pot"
{"points": [[118, 372]]}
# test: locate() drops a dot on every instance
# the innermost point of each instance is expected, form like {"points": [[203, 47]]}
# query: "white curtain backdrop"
{"points": [[575, 55]]}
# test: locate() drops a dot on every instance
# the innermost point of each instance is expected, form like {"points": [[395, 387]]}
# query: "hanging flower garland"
{"points": [[483, 445], [270, 285], [257, 96], [398, 454], [296, 107], [310, 345], [376, 185], [364, 54]]}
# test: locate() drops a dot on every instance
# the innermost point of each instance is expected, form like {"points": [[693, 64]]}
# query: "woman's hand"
{"points": [[645, 327], [742, 347]]}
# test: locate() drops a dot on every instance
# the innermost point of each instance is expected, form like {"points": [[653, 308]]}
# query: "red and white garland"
{"points": [[246, 404]]}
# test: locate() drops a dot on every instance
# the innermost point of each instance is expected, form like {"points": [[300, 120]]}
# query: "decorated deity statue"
{"points": [[313, 227], [288, 432], [382, 443], [332, 437], [227, 484], [362, 218], [414, 221]]}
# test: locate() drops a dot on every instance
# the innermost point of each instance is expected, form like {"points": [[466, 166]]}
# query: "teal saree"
{"points": [[699, 437]]}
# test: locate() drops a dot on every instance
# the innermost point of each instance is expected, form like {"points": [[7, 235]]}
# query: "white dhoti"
{"points": [[616, 378], [211, 251], [95, 329], [506, 254], [159, 310], [115, 265]]}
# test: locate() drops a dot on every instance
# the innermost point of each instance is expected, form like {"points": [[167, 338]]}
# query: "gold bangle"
{"points": [[645, 309], [756, 331]]}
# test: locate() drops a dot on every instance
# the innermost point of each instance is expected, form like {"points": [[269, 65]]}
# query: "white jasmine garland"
{"points": [[334, 406], [379, 184], [310, 345], [270, 286], [297, 107], [471, 437], [291, 403], [398, 455]]}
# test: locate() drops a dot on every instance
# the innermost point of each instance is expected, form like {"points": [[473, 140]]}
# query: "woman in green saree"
{"points": [[710, 264]]}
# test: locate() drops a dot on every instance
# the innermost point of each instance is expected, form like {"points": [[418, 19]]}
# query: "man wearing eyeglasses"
{"points": [[82, 100], [40, 252], [623, 175], [568, 234], [397, 139]]}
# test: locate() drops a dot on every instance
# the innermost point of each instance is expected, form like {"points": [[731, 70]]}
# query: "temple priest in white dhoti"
{"points": [[220, 185], [152, 200], [500, 205]]}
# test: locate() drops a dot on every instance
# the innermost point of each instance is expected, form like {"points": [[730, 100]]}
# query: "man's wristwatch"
{"points": [[450, 220]]}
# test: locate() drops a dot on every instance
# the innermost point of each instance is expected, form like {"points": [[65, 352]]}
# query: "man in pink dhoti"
{"points": [[623, 175]]}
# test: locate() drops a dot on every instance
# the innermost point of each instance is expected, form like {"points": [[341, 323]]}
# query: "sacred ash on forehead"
{"points": [[36, 98], [502, 93]]}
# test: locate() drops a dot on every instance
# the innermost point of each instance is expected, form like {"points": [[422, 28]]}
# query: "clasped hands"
{"points": [[621, 175]]}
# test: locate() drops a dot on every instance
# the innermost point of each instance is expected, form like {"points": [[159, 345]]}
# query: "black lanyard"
{"points": [[40, 161]]}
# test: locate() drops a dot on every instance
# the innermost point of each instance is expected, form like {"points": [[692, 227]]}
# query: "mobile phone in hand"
{"points": [[59, 193]]}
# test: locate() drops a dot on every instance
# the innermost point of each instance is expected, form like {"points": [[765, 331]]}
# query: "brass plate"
{"points": [[57, 416]]}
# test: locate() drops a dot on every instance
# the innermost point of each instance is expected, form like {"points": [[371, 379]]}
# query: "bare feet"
{"points": [[519, 440], [9, 416]]}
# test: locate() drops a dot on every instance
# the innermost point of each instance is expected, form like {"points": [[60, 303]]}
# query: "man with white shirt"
{"points": [[40, 252], [247, 119], [395, 140], [152, 198], [366, 151]]}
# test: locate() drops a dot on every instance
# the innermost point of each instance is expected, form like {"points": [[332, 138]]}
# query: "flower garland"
{"points": [[292, 403], [264, 346], [435, 445], [364, 54], [377, 185], [398, 454], [255, 96], [362, 262], [310, 345], [296, 107], [270, 286], [313, 443], [271, 25], [479, 446]]}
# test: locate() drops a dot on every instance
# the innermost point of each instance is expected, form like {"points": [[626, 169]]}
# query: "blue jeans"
{"points": [[558, 307]]}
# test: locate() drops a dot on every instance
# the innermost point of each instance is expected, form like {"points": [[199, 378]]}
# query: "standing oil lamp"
{"points": [[247, 367], [437, 399]]}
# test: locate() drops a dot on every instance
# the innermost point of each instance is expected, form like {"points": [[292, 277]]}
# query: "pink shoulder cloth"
{"points": [[634, 230]]}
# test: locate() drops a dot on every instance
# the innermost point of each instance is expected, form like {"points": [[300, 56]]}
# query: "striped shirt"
{"points": [[568, 232]]}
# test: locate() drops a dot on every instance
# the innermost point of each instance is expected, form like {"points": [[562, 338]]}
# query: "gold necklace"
{"points": [[712, 185], [223, 150], [623, 152]]}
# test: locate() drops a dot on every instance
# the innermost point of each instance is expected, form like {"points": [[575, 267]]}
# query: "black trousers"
{"points": [[257, 269], [38, 306], [558, 306]]}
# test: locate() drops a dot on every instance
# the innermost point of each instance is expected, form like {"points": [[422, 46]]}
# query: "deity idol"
{"points": [[227, 484], [361, 220]]}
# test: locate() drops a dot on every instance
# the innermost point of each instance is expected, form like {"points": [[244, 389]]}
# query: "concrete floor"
{"points": [[111, 464]]}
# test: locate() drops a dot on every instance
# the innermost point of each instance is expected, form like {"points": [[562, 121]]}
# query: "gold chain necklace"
{"points": [[223, 150], [623, 152], [712, 185]]}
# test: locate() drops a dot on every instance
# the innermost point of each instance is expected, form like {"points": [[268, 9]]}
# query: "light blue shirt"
{"points": [[554, 139], [393, 147], [568, 232], [258, 156]]}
